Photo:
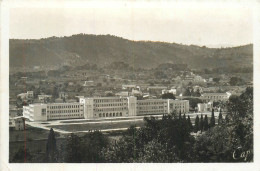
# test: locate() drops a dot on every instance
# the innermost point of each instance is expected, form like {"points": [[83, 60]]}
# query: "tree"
{"points": [[51, 149], [189, 123], [22, 156], [19, 102], [227, 119], [91, 147], [180, 115], [73, 150], [167, 138], [236, 134], [235, 81], [110, 94], [220, 118], [197, 124], [216, 80], [201, 123], [206, 123], [239, 120], [212, 119], [78, 88], [155, 152], [168, 96], [160, 74], [188, 92], [184, 118], [55, 92], [209, 147], [193, 102], [197, 93], [215, 104], [86, 149]]}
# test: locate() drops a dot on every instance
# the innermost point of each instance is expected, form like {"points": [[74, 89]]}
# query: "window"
{"points": [[43, 111]]}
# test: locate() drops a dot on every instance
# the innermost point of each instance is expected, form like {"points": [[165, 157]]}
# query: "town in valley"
{"points": [[131, 85]]}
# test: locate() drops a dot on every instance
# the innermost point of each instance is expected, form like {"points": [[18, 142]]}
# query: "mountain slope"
{"points": [[105, 49]]}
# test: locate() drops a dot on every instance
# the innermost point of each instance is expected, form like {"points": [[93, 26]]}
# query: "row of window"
{"points": [[150, 103], [64, 106], [152, 112], [71, 115], [150, 107], [110, 114], [110, 109], [105, 105], [216, 97], [176, 107], [108, 100], [180, 104], [64, 111]]}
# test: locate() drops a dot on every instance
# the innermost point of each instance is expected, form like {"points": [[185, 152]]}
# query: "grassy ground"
{"points": [[102, 119], [31, 133], [98, 126]]}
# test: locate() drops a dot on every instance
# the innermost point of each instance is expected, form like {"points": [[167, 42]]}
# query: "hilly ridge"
{"points": [[105, 49]]}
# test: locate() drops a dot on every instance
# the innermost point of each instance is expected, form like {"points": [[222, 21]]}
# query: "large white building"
{"points": [[97, 107], [161, 106], [211, 97], [52, 111], [152, 106], [102, 107]]}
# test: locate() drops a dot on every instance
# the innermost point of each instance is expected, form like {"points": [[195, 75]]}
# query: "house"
{"points": [[28, 95], [123, 93], [211, 97], [205, 107], [156, 89], [88, 84], [17, 123], [44, 97], [13, 111], [63, 95], [172, 91], [128, 87]]}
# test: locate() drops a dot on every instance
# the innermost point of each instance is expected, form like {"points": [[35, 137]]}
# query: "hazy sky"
{"points": [[204, 26]]}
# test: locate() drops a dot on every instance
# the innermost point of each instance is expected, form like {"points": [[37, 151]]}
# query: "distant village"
{"points": [[116, 93]]}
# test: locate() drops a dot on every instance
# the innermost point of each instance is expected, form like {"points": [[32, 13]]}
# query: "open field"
{"points": [[97, 126], [105, 119], [102, 124]]}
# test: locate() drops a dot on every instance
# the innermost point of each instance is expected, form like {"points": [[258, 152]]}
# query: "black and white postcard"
{"points": [[144, 85]]}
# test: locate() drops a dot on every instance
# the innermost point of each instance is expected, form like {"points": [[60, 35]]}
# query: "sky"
{"points": [[212, 27]]}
